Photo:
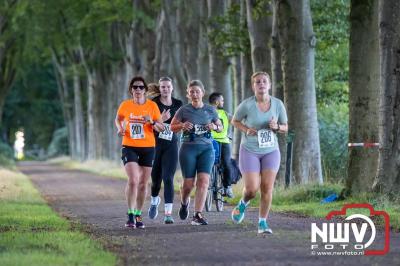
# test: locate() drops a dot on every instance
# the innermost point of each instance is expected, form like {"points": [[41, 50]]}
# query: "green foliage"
{"points": [[33, 106], [260, 9], [59, 143], [229, 34], [305, 193], [334, 131], [6, 156], [331, 26]]}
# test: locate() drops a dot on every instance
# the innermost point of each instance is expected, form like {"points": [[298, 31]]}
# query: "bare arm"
{"points": [[216, 126], [248, 131], [119, 125], [278, 128], [177, 125]]}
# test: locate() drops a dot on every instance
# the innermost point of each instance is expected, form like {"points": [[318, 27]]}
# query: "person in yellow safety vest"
{"points": [[217, 100]]}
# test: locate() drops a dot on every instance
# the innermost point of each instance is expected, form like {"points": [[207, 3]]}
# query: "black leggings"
{"points": [[226, 163], [164, 167]]}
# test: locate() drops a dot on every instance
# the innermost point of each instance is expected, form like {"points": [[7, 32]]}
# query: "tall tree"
{"points": [[388, 178], [277, 85], [220, 74], [259, 22], [364, 94], [10, 42], [297, 45]]}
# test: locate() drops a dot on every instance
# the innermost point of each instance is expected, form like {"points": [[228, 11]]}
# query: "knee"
{"points": [[168, 182], [251, 192], [266, 190], [186, 186], [142, 185], [132, 182], [202, 183]]}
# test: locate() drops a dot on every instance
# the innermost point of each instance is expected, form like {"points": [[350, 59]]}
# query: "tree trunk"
{"points": [[364, 95], [8, 51], [203, 60], [260, 29], [245, 82], [65, 99], [237, 96], [297, 45], [277, 87], [388, 177], [220, 75], [174, 45], [78, 120], [190, 31]]}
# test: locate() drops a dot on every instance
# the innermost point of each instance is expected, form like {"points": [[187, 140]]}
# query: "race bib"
{"points": [[266, 138], [136, 130], [167, 133], [200, 129]]}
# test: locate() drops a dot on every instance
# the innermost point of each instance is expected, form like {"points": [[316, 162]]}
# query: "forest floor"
{"points": [[97, 202]]}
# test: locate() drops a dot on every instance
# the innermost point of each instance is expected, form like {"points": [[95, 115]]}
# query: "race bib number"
{"points": [[167, 133], [136, 130], [266, 138], [200, 129]]}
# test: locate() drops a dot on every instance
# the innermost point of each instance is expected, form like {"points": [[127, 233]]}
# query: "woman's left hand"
{"points": [[273, 124], [211, 126]]}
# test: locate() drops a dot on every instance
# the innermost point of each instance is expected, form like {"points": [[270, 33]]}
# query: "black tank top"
{"points": [[173, 108]]}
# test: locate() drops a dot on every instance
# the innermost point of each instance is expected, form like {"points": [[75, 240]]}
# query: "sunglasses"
{"points": [[164, 79], [141, 87]]}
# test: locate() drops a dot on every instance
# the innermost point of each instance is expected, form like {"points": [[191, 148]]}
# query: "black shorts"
{"points": [[143, 156]]}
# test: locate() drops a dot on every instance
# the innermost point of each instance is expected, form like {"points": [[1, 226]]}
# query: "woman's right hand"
{"points": [[121, 132], [251, 132], [187, 126]]}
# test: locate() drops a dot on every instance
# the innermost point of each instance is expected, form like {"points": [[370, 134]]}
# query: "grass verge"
{"points": [[306, 200], [32, 234]]}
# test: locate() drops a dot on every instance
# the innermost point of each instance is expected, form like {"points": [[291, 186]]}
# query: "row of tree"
{"points": [[97, 46]]}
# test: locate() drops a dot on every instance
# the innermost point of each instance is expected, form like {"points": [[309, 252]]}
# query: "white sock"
{"points": [[168, 208], [261, 219], [155, 200]]}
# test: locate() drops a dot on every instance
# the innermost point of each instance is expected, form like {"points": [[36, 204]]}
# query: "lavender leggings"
{"points": [[254, 162]]}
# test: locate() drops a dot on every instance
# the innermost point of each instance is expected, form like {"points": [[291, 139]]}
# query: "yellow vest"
{"points": [[223, 135]]}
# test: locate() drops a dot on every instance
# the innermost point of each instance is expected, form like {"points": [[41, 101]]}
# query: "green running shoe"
{"points": [[238, 212], [263, 228], [168, 219]]}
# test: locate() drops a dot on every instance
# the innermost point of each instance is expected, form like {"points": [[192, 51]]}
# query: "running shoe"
{"points": [[131, 221], [184, 210], [263, 228], [238, 212], [168, 219], [228, 192], [198, 219], [153, 210], [139, 221]]}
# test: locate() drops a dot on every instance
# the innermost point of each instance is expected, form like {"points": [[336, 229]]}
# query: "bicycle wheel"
{"points": [[209, 199], [210, 191], [219, 199]]}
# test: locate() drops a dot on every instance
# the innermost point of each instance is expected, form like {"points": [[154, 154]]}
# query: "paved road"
{"points": [[98, 203]]}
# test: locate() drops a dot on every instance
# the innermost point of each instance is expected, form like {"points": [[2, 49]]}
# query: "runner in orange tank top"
{"points": [[136, 118]]}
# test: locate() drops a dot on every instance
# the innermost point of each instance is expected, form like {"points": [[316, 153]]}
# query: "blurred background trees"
{"points": [[65, 67]]}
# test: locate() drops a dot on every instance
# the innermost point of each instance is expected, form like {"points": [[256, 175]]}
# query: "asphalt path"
{"points": [[98, 203]]}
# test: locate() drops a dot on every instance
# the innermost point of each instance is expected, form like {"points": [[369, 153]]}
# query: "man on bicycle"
{"points": [[217, 100]]}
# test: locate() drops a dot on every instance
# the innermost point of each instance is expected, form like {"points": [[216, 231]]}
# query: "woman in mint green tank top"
{"points": [[260, 118]]}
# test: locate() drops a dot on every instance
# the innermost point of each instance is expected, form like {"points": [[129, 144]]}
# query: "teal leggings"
{"points": [[196, 158]]}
